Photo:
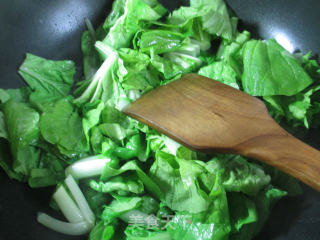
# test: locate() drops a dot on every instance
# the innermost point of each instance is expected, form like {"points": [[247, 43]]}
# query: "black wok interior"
{"points": [[52, 29]]}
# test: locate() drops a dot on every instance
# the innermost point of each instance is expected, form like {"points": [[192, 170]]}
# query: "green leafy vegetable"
{"points": [[61, 125], [297, 109], [177, 178], [91, 117], [22, 123], [128, 24], [240, 175], [214, 16], [137, 183], [143, 234], [119, 206], [264, 202], [6, 160], [91, 61], [264, 63], [102, 231], [123, 184], [221, 72], [50, 172], [47, 78], [109, 171], [211, 224]]}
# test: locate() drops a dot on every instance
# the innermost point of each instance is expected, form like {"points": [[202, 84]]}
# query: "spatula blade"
{"points": [[202, 113]]}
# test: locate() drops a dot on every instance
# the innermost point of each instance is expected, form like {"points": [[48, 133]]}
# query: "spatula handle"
{"points": [[286, 153]]}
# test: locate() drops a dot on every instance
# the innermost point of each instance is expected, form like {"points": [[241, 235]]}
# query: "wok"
{"points": [[52, 29]]}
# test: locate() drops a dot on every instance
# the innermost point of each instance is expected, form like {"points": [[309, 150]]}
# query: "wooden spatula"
{"points": [[206, 115]]}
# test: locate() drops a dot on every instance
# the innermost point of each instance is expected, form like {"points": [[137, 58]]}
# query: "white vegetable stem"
{"points": [[68, 207], [87, 167], [75, 229], [80, 216], [80, 199], [105, 50]]}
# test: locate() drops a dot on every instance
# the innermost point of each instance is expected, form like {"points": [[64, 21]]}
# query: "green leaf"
{"points": [[242, 210], [166, 67], [298, 110], [186, 153], [264, 202], [270, 70], [128, 183], [311, 66], [119, 206], [221, 72], [47, 78], [239, 175], [135, 147], [118, 8], [160, 142], [6, 161], [61, 125], [49, 172], [185, 62], [22, 123], [210, 224], [173, 65], [144, 234], [96, 200], [135, 72], [177, 178], [180, 53], [91, 61], [110, 171], [190, 26], [216, 20], [160, 41], [4, 95], [300, 107], [100, 143], [3, 127], [230, 53], [214, 16], [284, 181], [104, 85], [149, 205], [116, 125], [91, 117], [124, 28], [19, 94], [113, 130], [102, 231], [113, 115]]}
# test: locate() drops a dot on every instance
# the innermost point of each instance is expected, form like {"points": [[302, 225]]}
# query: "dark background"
{"points": [[52, 29]]}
